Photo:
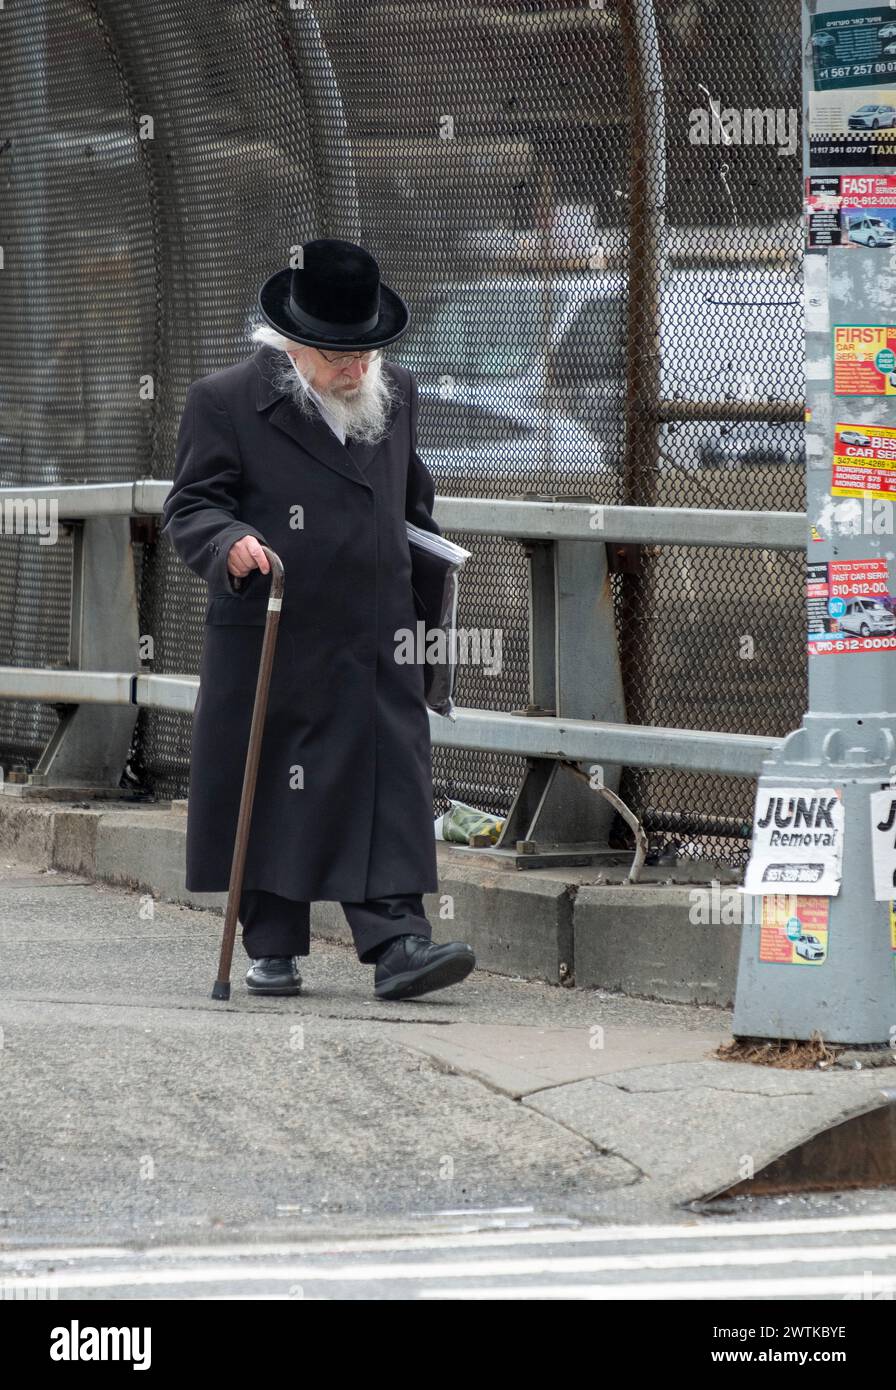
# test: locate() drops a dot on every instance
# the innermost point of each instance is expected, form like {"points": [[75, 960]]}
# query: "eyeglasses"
{"points": [[342, 359]]}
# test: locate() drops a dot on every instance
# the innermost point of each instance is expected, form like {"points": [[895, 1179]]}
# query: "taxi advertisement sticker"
{"points": [[853, 47], [851, 210], [864, 360], [794, 930], [864, 462], [849, 607]]}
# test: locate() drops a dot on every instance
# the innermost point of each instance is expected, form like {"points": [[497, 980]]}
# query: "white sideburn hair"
{"points": [[264, 333]]}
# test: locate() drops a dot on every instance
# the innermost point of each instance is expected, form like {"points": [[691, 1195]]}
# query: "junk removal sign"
{"points": [[797, 841], [883, 842]]}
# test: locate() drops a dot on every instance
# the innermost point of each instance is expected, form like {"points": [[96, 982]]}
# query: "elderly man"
{"points": [[309, 448]]}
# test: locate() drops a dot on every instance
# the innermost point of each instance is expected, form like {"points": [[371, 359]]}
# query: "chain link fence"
{"points": [[594, 212]]}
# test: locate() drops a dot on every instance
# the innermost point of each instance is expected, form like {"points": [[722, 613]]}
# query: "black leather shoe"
{"points": [[274, 975], [414, 965]]}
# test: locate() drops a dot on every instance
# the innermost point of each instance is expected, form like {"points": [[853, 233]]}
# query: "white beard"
{"points": [[363, 415]]}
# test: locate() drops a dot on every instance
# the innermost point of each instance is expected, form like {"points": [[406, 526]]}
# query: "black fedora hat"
{"points": [[336, 300]]}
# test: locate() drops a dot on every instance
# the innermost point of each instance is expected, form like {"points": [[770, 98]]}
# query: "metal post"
{"points": [[646, 255], [89, 748], [555, 817], [574, 673], [825, 962]]}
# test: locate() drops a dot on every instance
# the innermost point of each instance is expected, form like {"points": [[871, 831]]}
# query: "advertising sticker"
{"points": [[794, 930], [849, 607], [797, 840], [864, 360], [852, 48], [851, 210], [864, 462], [852, 127], [883, 843]]}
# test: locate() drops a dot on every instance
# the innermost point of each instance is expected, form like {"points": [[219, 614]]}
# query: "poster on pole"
{"points": [[864, 462], [883, 843], [853, 47], [797, 841], [852, 113], [851, 210], [794, 930], [864, 359], [849, 608]]}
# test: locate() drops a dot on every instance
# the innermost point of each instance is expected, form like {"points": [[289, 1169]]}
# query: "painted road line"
{"points": [[849, 1286], [827, 1225], [521, 1267]]}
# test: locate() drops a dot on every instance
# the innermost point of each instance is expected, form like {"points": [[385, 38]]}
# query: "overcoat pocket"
{"points": [[234, 610]]}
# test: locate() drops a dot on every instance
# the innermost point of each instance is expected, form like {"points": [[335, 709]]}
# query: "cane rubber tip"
{"points": [[221, 991]]}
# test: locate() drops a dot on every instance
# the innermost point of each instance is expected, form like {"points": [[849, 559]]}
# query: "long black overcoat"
{"points": [[343, 804]]}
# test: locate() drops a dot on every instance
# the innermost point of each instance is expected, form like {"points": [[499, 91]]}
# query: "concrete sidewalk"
{"points": [[134, 1105], [583, 926]]}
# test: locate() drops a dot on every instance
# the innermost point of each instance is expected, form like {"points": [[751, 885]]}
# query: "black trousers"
{"points": [[275, 926]]}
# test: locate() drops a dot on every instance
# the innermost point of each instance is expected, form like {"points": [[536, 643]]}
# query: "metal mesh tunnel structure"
{"points": [[604, 274]]}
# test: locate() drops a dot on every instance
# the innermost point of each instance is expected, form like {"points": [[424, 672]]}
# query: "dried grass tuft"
{"points": [[785, 1053]]}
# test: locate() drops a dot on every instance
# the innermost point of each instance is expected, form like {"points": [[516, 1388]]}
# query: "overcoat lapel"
{"points": [[361, 453], [311, 432]]}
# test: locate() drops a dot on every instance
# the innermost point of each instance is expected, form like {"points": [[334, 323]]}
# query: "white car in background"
{"points": [[548, 359], [522, 394]]}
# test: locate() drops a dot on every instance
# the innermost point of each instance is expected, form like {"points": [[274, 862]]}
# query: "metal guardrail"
{"points": [[537, 520], [577, 740], [536, 736]]}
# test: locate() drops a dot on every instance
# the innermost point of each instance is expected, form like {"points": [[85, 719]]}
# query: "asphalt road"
{"points": [[808, 1258]]}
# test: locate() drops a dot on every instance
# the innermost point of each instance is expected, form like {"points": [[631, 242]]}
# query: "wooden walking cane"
{"points": [[222, 983]]}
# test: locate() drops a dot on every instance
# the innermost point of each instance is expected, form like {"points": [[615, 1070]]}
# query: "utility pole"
{"points": [[819, 941]]}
